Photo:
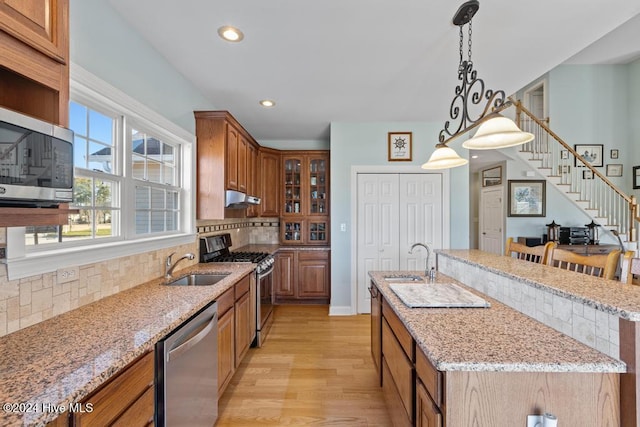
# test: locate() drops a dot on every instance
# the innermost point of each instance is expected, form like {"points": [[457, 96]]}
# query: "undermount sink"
{"points": [[198, 279], [403, 278]]}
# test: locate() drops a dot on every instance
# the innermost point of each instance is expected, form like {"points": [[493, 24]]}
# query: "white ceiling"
{"points": [[368, 60]]}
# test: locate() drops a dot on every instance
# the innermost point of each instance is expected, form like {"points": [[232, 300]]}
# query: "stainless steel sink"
{"points": [[198, 279], [403, 278]]}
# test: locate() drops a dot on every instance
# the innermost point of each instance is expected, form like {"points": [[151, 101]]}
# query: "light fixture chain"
{"points": [[469, 53], [461, 46]]}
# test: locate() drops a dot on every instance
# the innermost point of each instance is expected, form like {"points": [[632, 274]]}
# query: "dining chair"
{"points": [[630, 267], [537, 254], [602, 265]]}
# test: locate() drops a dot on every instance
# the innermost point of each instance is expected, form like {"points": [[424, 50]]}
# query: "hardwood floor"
{"points": [[312, 370]]}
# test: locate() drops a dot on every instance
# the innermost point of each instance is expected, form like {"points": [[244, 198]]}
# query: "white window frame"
{"points": [[85, 86]]}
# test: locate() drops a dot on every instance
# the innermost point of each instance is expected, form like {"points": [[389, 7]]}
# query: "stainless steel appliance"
{"points": [[187, 372], [216, 249], [36, 161]]}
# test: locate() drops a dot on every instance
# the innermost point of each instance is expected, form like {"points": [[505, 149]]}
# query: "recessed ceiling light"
{"points": [[267, 103], [475, 156], [231, 34]]}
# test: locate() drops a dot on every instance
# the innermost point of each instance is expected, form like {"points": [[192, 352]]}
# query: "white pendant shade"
{"points": [[498, 132], [444, 158]]}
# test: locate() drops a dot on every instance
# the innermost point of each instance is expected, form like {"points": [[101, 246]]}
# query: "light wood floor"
{"points": [[312, 370]]}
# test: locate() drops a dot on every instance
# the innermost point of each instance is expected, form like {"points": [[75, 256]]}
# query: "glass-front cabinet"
{"points": [[305, 214]]}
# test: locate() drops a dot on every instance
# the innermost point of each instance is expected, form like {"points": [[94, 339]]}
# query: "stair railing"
{"points": [[594, 191]]}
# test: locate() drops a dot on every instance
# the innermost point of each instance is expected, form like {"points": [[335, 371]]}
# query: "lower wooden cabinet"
{"points": [[126, 400], [427, 413], [226, 347], [243, 326], [302, 276]]}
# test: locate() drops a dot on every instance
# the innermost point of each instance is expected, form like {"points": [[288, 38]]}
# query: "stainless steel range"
{"points": [[216, 249]]}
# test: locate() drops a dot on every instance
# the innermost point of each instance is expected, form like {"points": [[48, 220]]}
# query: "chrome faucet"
{"points": [[168, 267], [430, 273]]}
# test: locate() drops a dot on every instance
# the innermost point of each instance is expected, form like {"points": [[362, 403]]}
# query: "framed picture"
{"points": [[636, 177], [588, 174], [564, 154], [564, 169], [614, 170], [613, 154], [399, 147], [591, 154], [527, 198], [492, 176]]}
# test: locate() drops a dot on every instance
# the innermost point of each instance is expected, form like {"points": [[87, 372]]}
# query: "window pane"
{"points": [[103, 218], [100, 127], [78, 118], [157, 199], [137, 167], [154, 171], [142, 198], [142, 222], [104, 191], [168, 175], [80, 151], [157, 222], [82, 192], [172, 200], [100, 157], [172, 221]]}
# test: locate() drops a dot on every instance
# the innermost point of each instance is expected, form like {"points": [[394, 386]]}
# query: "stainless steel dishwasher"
{"points": [[187, 372]]}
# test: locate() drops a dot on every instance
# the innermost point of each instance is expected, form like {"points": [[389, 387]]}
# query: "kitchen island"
{"points": [[49, 366], [486, 366]]}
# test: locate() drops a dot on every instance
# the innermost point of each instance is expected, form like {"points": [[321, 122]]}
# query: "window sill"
{"points": [[45, 262]]}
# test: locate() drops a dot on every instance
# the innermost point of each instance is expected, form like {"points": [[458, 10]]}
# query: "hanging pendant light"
{"points": [[444, 158], [497, 132], [494, 132]]}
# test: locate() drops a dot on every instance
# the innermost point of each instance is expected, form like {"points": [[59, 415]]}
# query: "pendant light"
{"points": [[495, 131]]}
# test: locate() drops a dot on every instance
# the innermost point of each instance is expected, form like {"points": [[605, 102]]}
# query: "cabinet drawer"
{"points": [[400, 368], [401, 333], [120, 393], [140, 413], [430, 377], [225, 302], [242, 287]]}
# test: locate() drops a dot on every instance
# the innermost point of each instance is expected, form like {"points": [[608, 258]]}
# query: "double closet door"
{"points": [[394, 212]]}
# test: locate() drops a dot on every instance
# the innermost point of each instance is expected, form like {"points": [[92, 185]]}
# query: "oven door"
{"points": [[264, 310]]}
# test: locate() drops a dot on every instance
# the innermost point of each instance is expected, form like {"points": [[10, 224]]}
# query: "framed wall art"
{"points": [[636, 177], [588, 174], [591, 154], [613, 153], [614, 170], [492, 176], [399, 146], [527, 198]]}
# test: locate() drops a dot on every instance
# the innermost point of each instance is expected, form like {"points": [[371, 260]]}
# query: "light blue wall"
{"points": [[102, 43], [633, 82], [366, 144]]}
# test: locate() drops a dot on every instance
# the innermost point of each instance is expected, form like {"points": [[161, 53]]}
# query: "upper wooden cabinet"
{"points": [[34, 52], [225, 154], [269, 174]]}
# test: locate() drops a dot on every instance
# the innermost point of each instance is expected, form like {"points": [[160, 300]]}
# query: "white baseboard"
{"points": [[344, 310]]}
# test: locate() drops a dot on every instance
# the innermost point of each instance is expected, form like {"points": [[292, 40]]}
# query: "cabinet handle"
{"points": [[373, 291]]}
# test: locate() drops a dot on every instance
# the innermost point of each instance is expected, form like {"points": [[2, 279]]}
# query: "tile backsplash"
{"points": [[27, 301]]}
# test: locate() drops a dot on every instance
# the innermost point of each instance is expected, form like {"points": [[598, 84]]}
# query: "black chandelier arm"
{"points": [[445, 136]]}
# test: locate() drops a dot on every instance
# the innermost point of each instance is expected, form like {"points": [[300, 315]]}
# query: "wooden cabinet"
{"points": [[235, 328], [269, 173], [305, 183], [34, 57], [252, 179], [302, 276], [427, 413], [223, 161], [376, 328], [126, 400]]}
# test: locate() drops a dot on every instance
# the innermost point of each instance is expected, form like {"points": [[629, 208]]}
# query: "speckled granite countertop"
{"points": [[491, 339], [63, 359], [611, 296]]}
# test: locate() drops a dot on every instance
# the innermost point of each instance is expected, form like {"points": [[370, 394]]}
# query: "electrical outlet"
{"points": [[68, 274], [534, 420]]}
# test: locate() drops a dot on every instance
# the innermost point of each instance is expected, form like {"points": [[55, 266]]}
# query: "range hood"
{"points": [[239, 200]]}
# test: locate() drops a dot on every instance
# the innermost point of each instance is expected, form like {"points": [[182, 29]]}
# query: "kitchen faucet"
{"points": [[431, 273], [168, 267]]}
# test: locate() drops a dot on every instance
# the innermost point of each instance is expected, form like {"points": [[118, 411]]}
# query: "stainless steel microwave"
{"points": [[36, 161]]}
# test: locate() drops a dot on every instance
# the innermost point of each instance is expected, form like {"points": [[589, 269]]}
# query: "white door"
{"points": [[394, 212], [491, 220], [378, 241]]}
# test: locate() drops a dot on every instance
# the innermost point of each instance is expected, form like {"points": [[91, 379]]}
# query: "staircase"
{"points": [[584, 185]]}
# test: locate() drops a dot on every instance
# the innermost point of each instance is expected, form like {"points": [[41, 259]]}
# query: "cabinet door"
{"points": [[242, 319], [231, 161], [292, 184], [313, 274], [284, 274], [252, 171], [242, 164], [376, 328], [292, 231], [37, 23], [427, 413], [226, 354], [318, 186], [269, 183], [317, 231]]}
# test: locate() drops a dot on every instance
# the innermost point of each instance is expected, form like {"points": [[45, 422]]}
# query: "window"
{"points": [[132, 185]]}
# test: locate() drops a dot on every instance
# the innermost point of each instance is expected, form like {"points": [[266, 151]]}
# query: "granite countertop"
{"points": [[65, 358], [491, 339], [622, 300]]}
